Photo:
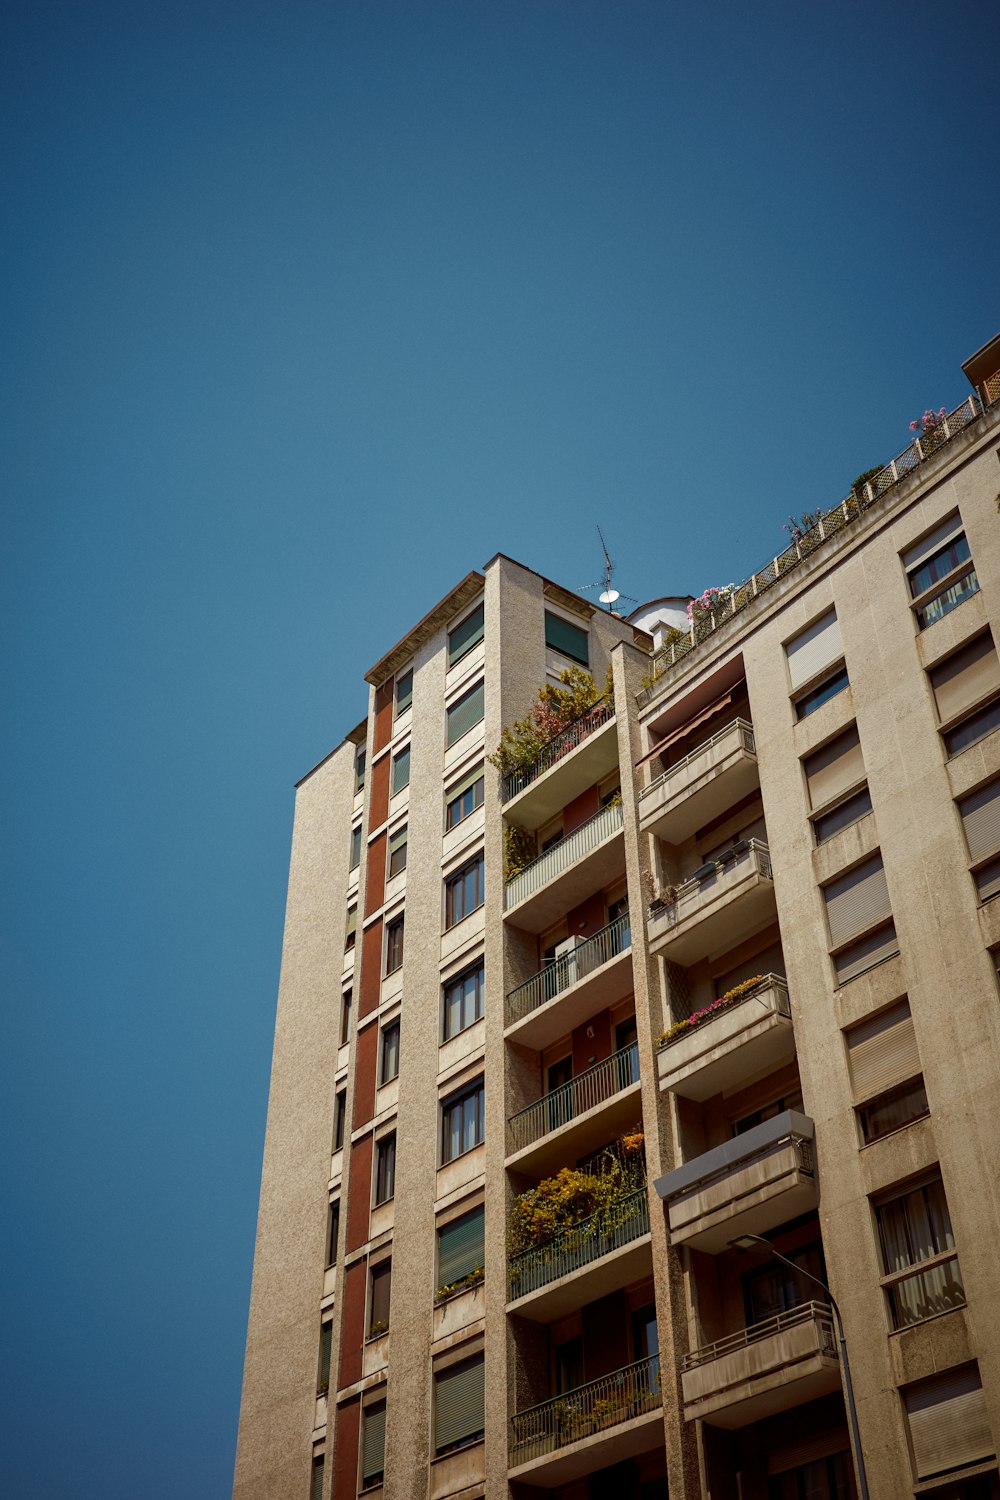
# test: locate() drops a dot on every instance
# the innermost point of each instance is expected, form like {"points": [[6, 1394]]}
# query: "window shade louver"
{"points": [[818, 647], [981, 821], [988, 880], [459, 1402], [968, 677], [397, 840], [948, 1420], [373, 1462], [949, 528], [866, 953], [883, 1052], [464, 785], [836, 767], [568, 639], [857, 900], [460, 1247], [464, 636], [463, 714]]}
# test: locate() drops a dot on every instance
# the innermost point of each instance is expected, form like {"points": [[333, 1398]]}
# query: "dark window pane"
{"points": [[332, 1232], [404, 692], [385, 1169], [401, 770], [465, 635], [462, 1122], [976, 727], [814, 699], [339, 1119], [378, 1318], [465, 713], [567, 639], [827, 824], [463, 1001], [390, 1052], [892, 1110], [939, 565], [464, 799]]}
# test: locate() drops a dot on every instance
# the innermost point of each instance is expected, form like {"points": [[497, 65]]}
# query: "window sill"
{"points": [[458, 1157], [877, 1140], [947, 1312]]}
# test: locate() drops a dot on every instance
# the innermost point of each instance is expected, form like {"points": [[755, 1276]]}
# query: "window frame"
{"points": [[346, 1011], [945, 583], [477, 689], [375, 1479], [360, 769], [395, 944], [400, 758], [890, 1280], [398, 708], [382, 1270], [339, 1118], [474, 781], [449, 1371], [456, 882], [388, 1050], [473, 1093], [398, 841], [351, 930], [332, 1231], [834, 681], [356, 846], [478, 970], [580, 661], [384, 1175], [454, 657]]}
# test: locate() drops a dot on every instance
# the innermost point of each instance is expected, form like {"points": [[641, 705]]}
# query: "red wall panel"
{"points": [[380, 792], [359, 1207], [364, 1076], [383, 715], [345, 1457], [580, 809], [375, 875], [370, 987]]}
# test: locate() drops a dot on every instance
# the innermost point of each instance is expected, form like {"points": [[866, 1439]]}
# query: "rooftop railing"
{"points": [[575, 1414], [555, 861], [685, 897], [569, 969], [747, 741], [584, 1092], [567, 739], [806, 1312], [580, 1246], [830, 523]]}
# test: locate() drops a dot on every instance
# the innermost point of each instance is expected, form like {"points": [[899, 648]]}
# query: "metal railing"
{"points": [[686, 895], [569, 969], [746, 738], [590, 1408], [724, 1007], [554, 861], [806, 1312], [580, 1246], [732, 601], [595, 1086], [594, 717]]}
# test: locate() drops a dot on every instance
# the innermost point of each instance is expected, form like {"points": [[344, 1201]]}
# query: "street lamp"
{"points": [[747, 1242]]}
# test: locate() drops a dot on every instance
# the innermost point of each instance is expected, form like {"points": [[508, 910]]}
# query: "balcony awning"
{"points": [[692, 724]]}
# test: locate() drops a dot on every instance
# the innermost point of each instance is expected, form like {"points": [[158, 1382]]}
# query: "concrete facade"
{"points": [[800, 790]]}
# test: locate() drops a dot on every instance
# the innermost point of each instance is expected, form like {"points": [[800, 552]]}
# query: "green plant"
{"points": [[731, 997], [558, 1204], [379, 1326], [518, 850], [857, 488], [522, 742]]}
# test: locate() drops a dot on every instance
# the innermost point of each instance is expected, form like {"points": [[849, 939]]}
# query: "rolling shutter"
{"points": [[460, 1247], [464, 713], [567, 639], [818, 647], [981, 820], [947, 531], [839, 765], [465, 635], [883, 1052], [857, 900], [949, 1425], [966, 678], [373, 1459], [459, 1400]]}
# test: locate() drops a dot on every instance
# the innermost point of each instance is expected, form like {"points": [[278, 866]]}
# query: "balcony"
{"points": [[767, 1368], [595, 1425], [714, 777], [591, 857], [577, 986], [578, 757], [724, 903], [743, 1040], [596, 1256], [748, 1185], [578, 1116]]}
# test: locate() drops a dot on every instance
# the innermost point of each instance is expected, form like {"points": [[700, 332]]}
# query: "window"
{"points": [[404, 692], [460, 1248], [385, 1169], [389, 1061], [463, 798], [400, 770], [359, 770], [394, 946], [463, 891], [373, 1445], [464, 714], [817, 696], [459, 1403], [378, 1308], [976, 727], [332, 1232], [948, 1421], [965, 680], [569, 640], [775, 1288], [842, 816], [339, 1119], [352, 928], [857, 909], [397, 852], [465, 635], [355, 847], [939, 572], [325, 1352], [462, 1122], [885, 1072], [463, 1000], [980, 814], [829, 1478], [914, 1227], [316, 1485], [346, 1001], [835, 769], [814, 649]]}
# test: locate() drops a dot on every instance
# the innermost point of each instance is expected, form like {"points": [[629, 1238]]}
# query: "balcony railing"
{"points": [[600, 1404], [564, 855], [806, 1312], [563, 1104], [723, 1007], [580, 1246], [569, 969], [829, 524], [599, 714], [746, 740], [685, 898]]}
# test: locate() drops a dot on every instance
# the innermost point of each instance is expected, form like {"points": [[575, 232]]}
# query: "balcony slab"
{"points": [[711, 779], [768, 1372], [746, 1041], [578, 1002], [598, 1450], [590, 761], [724, 909]]}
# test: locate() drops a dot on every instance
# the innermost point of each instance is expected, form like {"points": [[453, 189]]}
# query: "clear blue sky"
{"points": [[308, 309]]}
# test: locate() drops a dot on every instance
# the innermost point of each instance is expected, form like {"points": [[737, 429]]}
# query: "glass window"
{"points": [[381, 1287], [463, 892], [915, 1226], [332, 1232], [359, 771], [976, 727], [373, 1446], [817, 696], [462, 1122], [459, 1404], [339, 1119], [819, 1479], [463, 1000], [325, 1351], [389, 1062], [401, 770], [569, 640], [397, 852], [775, 1288], [394, 946], [465, 713], [385, 1169], [346, 1002], [894, 1109], [352, 928], [355, 847], [925, 572], [463, 798], [842, 816], [461, 1248], [404, 692], [465, 635]]}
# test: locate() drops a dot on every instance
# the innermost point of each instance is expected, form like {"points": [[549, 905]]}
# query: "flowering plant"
{"points": [[706, 602], [731, 997], [928, 421]]}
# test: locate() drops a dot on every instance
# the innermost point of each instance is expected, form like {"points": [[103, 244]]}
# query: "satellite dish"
{"points": [[609, 596]]}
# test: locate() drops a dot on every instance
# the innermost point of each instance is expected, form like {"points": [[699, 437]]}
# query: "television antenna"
{"points": [[609, 595]]}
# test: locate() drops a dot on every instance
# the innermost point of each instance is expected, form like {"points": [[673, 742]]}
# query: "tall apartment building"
{"points": [[740, 968]]}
